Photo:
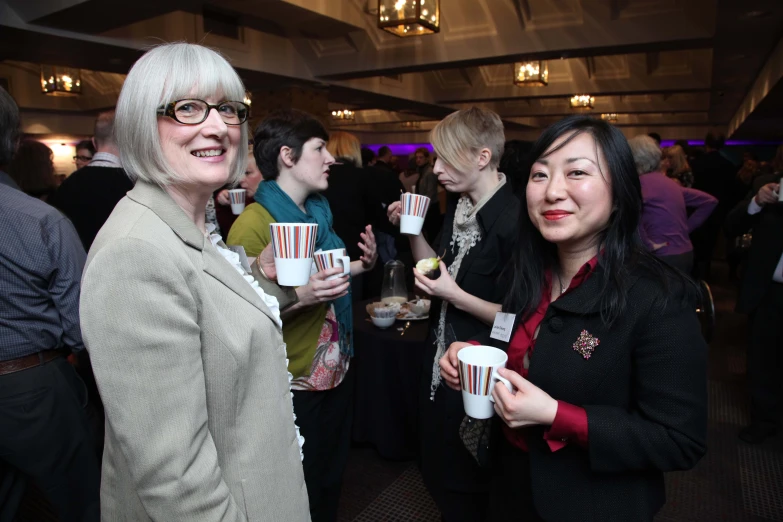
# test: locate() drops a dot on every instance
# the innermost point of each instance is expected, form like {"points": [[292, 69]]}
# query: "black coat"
{"points": [[766, 245], [645, 392], [446, 464], [88, 197], [358, 197]]}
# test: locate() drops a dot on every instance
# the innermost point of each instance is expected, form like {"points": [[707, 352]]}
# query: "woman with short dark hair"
{"points": [[607, 359], [290, 149]]}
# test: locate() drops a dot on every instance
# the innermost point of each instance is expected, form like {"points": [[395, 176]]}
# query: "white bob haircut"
{"points": [[164, 74], [646, 154]]}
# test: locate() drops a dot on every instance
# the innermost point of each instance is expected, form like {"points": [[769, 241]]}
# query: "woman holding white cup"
{"points": [[606, 354], [290, 149], [478, 237]]}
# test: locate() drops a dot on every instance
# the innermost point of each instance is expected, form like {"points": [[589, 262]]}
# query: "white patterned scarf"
{"points": [[464, 236]]}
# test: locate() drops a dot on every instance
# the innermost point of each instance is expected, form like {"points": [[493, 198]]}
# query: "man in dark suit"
{"points": [[88, 196], [761, 297], [713, 174], [383, 161]]}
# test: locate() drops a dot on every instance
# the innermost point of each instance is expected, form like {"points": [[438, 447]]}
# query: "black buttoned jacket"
{"points": [[645, 392]]}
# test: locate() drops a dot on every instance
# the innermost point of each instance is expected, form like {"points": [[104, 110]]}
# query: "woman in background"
{"points": [[290, 149], [32, 167], [479, 234], [675, 165], [666, 222]]}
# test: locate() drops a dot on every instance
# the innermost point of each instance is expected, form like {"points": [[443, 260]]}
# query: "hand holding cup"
{"points": [[393, 213], [449, 365]]}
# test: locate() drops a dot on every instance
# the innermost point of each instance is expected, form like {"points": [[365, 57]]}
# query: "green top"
{"points": [[300, 331]]}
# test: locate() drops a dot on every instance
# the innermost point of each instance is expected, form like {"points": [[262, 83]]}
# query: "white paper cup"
{"points": [[237, 197], [326, 259], [780, 194], [293, 245], [478, 373], [411, 225], [412, 213]]}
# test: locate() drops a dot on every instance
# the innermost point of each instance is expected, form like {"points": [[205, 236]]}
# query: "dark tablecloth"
{"points": [[387, 383]]}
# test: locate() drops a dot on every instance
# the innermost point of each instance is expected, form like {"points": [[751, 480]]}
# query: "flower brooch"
{"points": [[586, 344]]}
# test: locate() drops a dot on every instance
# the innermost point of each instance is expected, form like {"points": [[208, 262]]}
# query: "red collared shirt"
{"points": [[570, 424]]}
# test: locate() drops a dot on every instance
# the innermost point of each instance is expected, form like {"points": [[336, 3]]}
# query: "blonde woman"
{"points": [[675, 165], [479, 235]]}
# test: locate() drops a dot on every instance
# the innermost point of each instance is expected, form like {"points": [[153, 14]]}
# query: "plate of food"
{"points": [[416, 310]]}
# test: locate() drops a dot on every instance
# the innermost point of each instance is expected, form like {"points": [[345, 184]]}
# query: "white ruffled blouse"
{"points": [[270, 301]]}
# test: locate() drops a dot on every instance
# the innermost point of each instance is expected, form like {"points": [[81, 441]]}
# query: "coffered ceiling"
{"points": [[676, 67]]}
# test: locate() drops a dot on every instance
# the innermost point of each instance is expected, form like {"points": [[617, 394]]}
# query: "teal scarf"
{"points": [[284, 210]]}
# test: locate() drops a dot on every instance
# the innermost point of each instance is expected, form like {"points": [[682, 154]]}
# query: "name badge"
{"points": [[503, 327], [239, 249]]}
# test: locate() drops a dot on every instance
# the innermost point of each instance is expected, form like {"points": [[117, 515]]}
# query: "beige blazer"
{"points": [[191, 368]]}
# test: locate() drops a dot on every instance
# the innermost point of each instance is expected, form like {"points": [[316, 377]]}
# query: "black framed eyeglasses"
{"points": [[193, 112], [82, 158]]}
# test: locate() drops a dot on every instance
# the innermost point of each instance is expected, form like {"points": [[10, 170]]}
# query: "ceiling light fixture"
{"points": [[582, 101], [60, 81], [531, 74], [611, 117], [344, 114], [409, 17]]}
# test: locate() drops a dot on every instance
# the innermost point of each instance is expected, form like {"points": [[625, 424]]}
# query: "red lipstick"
{"points": [[554, 215]]}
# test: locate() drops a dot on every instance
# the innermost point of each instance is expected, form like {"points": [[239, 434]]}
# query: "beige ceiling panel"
{"points": [[670, 63], [452, 79], [332, 47], [609, 67], [551, 14], [470, 20], [497, 75]]}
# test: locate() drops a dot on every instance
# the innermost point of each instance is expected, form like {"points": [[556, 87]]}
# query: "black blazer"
{"points": [[645, 392], [88, 197], [481, 268], [358, 197], [766, 246]]}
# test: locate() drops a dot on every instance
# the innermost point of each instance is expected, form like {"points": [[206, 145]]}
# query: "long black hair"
{"points": [[620, 244]]}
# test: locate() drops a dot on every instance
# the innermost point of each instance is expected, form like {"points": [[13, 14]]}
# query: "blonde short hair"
{"points": [[461, 135], [344, 145], [164, 74], [677, 159]]}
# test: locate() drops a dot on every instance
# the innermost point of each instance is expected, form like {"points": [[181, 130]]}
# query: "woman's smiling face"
{"points": [[202, 154], [569, 193]]}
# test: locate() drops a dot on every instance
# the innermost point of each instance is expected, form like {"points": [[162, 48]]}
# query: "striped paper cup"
{"points": [[237, 197], [293, 245], [326, 259], [414, 209], [478, 372]]}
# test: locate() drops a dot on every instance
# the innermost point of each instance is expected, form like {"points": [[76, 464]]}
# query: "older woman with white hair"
{"points": [[478, 237], [184, 335], [665, 225]]}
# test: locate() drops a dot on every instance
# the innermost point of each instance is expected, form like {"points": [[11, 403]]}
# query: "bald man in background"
{"points": [[89, 195]]}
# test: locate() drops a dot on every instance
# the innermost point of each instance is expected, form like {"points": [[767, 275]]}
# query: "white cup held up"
{"points": [[478, 373], [293, 245], [412, 213], [237, 198]]}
